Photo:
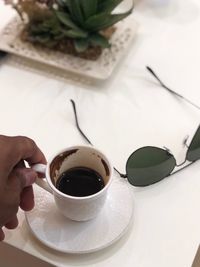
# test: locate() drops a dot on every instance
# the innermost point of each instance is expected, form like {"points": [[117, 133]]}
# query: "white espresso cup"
{"points": [[78, 208]]}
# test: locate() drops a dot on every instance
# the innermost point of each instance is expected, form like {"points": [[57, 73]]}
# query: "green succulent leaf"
{"points": [[35, 29], [76, 10], [59, 36], [55, 31], [99, 40], [108, 5], [89, 7], [81, 44], [41, 38], [74, 33], [101, 21], [66, 20], [61, 3]]}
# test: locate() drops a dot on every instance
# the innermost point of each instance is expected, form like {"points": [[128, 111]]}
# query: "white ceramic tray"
{"points": [[99, 69]]}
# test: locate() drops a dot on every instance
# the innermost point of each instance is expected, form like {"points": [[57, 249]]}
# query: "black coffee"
{"points": [[80, 182]]}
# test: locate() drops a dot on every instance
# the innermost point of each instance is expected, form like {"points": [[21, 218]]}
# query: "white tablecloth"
{"points": [[128, 111]]}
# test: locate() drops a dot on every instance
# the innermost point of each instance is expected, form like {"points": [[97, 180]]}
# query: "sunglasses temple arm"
{"points": [[170, 90], [77, 124], [120, 174], [85, 137]]}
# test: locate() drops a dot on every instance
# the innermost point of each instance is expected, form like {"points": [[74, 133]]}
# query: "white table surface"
{"points": [[128, 111]]}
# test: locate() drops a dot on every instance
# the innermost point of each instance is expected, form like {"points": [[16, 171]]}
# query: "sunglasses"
{"points": [[148, 165]]}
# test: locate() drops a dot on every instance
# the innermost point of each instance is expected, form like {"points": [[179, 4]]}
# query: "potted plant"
{"points": [[78, 27]]}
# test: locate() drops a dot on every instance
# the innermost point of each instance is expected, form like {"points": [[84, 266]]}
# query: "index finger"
{"points": [[17, 149], [27, 150]]}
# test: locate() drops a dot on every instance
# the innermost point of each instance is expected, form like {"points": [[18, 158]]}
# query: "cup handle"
{"points": [[41, 168]]}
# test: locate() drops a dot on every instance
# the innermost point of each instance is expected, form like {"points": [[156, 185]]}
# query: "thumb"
{"points": [[26, 176]]}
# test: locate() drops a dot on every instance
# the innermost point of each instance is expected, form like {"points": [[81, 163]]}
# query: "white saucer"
{"points": [[65, 235]]}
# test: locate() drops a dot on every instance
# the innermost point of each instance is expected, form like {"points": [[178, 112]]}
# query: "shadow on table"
{"points": [[48, 71], [196, 262]]}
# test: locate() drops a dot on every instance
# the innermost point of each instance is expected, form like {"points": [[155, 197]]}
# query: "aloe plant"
{"points": [[82, 21]]}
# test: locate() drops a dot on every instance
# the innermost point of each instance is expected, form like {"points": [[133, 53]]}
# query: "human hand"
{"points": [[15, 179]]}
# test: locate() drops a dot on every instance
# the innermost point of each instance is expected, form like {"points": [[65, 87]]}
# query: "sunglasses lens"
{"points": [[149, 165], [194, 148]]}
